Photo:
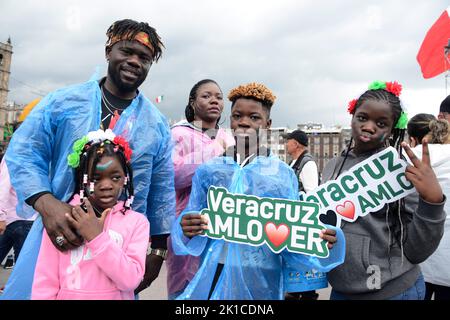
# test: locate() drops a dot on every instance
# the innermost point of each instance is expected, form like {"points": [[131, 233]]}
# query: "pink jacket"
{"points": [[8, 198], [109, 267], [192, 148]]}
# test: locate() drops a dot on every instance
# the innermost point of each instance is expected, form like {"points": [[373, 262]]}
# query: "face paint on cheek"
{"points": [[103, 167], [383, 137]]}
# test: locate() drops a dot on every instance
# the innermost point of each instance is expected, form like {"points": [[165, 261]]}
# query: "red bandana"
{"points": [[141, 37]]}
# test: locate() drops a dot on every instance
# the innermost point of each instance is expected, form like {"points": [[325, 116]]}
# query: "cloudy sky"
{"points": [[315, 55]]}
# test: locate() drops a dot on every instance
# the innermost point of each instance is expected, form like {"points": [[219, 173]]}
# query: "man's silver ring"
{"points": [[60, 240]]}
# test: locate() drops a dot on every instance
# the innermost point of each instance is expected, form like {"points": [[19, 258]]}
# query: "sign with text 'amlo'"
{"points": [[364, 188]]}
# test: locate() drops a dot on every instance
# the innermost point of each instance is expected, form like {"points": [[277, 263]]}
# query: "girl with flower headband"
{"points": [[384, 249], [111, 263]]}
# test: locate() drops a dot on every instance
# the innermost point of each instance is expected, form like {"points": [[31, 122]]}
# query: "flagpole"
{"points": [[446, 80], [446, 64]]}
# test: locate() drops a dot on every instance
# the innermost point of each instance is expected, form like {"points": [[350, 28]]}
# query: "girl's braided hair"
{"points": [[87, 153], [89, 160]]}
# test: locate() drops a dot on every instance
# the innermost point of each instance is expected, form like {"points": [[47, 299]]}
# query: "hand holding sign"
{"points": [[193, 224], [422, 175], [328, 235]]}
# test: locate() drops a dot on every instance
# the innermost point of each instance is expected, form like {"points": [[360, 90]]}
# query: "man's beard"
{"points": [[125, 87]]}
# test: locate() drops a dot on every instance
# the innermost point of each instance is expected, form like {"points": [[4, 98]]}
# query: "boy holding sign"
{"points": [[384, 248], [232, 270]]}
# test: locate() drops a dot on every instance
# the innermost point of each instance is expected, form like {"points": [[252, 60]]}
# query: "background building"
{"points": [[5, 71], [10, 115], [324, 143], [277, 142]]}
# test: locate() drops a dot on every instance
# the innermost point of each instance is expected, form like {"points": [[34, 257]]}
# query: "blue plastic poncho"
{"points": [[37, 160], [249, 272]]}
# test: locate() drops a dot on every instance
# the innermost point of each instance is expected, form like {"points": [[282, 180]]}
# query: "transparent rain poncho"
{"points": [[37, 160], [249, 272]]}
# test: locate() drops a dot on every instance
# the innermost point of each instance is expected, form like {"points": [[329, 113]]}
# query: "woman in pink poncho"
{"points": [[197, 139]]}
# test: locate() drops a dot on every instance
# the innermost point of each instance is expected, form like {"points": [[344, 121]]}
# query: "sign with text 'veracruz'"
{"points": [[278, 223]]}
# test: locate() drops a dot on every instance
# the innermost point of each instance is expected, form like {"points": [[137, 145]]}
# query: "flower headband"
{"points": [[393, 87], [98, 136]]}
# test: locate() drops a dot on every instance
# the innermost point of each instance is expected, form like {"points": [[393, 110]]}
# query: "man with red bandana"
{"points": [[38, 149]]}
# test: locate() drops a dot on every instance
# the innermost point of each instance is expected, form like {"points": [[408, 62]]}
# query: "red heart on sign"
{"points": [[347, 210], [276, 235]]}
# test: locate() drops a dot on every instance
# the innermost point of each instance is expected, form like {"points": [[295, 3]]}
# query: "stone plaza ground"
{"points": [[157, 290]]}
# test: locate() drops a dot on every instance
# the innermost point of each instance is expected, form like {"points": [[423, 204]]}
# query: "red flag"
{"points": [[431, 55]]}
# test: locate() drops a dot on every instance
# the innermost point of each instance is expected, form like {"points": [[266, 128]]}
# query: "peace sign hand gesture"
{"points": [[422, 175]]}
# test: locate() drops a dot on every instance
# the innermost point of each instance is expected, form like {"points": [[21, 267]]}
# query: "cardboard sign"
{"points": [[279, 223], [366, 187]]}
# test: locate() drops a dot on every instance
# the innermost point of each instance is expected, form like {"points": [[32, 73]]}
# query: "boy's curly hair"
{"points": [[255, 91]]}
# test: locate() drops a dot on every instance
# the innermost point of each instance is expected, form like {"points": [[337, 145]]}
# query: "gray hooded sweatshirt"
{"points": [[374, 266]]}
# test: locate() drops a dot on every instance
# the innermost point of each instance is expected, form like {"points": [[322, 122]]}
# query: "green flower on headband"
{"points": [[79, 144], [376, 85], [402, 121], [73, 159]]}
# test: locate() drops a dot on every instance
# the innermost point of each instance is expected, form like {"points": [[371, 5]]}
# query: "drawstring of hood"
{"points": [[401, 230]]}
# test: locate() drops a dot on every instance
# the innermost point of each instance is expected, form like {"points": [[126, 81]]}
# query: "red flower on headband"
{"points": [[351, 106], [120, 141], [394, 88]]}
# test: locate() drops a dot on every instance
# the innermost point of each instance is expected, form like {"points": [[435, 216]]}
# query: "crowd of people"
{"points": [[97, 191]]}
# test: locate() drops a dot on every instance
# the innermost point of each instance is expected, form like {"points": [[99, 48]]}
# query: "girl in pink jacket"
{"points": [[196, 140], [111, 262]]}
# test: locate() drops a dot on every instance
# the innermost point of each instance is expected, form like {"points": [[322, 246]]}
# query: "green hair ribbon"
{"points": [[402, 121], [376, 85], [73, 159]]}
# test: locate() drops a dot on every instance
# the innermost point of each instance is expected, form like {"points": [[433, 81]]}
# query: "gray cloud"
{"points": [[315, 56]]}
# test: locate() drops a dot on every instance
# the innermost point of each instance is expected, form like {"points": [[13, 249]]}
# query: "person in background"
{"points": [[302, 163], [13, 228], [305, 169], [197, 139], [435, 269], [444, 109]]}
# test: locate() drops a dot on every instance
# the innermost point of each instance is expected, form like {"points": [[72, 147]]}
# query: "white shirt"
{"points": [[8, 198], [308, 176], [436, 268]]}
